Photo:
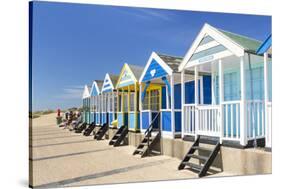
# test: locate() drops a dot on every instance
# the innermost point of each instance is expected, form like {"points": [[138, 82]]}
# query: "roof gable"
{"points": [[86, 92], [128, 75], [211, 41], [96, 86], [109, 83], [155, 68]]}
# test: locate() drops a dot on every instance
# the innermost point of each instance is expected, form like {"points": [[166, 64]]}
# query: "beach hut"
{"points": [[97, 85], [86, 104], [94, 93], [266, 50], [109, 99], [160, 91], [128, 102], [236, 114]]}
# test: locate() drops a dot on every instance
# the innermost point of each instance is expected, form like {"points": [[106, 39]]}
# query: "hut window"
{"points": [[231, 86], [110, 105], [94, 103], [125, 100], [154, 100], [255, 83], [115, 102], [132, 101], [145, 104], [119, 102]]}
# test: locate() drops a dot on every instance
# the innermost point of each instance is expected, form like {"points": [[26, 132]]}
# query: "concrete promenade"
{"points": [[63, 158]]}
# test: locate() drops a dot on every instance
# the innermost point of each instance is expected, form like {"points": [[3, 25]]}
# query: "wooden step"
{"points": [[197, 157], [201, 148], [193, 165], [139, 150]]}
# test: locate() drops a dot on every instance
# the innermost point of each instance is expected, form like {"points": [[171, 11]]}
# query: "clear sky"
{"points": [[74, 44]]}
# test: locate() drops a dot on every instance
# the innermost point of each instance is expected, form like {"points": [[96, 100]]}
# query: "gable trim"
{"points": [[106, 88], [218, 36], [86, 92], [159, 61], [96, 86], [126, 67]]}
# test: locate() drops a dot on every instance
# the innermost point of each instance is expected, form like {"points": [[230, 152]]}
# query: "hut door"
{"points": [[155, 106]]}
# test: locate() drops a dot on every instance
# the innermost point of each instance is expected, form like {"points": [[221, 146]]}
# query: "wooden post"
{"points": [[140, 105], [183, 123], [196, 101], [266, 99], [213, 83], [167, 98], [221, 93], [243, 117], [173, 105]]}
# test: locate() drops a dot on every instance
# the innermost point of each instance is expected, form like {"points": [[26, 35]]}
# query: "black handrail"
{"points": [[150, 128]]}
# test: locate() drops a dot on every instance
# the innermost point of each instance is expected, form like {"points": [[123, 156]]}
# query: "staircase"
{"points": [[90, 129], [205, 161], [81, 128], [146, 146], [119, 136], [101, 132]]}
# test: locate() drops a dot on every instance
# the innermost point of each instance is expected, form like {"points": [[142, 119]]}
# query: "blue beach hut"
{"points": [[86, 105], [94, 93], [160, 91], [109, 99]]}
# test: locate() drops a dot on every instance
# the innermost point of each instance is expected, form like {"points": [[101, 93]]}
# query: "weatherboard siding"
{"points": [[155, 70]]}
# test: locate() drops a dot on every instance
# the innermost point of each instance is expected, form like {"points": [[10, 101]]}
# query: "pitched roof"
{"points": [[137, 70], [249, 44], [86, 91], [99, 83], [234, 43], [114, 79], [172, 61]]}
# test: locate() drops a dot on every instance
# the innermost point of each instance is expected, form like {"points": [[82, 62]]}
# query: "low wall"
{"points": [[234, 160], [111, 132], [135, 138]]}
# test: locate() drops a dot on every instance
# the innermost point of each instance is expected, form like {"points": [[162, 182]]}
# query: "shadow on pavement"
{"points": [[101, 174]]}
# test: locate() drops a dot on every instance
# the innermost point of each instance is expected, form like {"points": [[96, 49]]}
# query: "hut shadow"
{"points": [[62, 183], [63, 143], [69, 155], [48, 138]]}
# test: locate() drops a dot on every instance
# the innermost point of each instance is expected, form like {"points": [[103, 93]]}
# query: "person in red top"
{"points": [[58, 114]]}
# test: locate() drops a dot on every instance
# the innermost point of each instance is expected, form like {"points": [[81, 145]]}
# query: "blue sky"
{"points": [[74, 44]]}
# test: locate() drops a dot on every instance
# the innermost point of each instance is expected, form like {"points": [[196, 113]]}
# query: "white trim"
{"points": [[215, 56], [221, 96], [159, 61], [107, 76], [167, 134], [201, 90], [86, 92], [206, 46], [94, 84], [243, 116], [182, 101], [266, 100], [216, 35], [167, 109], [172, 104]]}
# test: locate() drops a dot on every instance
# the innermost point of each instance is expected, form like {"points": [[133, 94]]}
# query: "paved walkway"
{"points": [[63, 158]]}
